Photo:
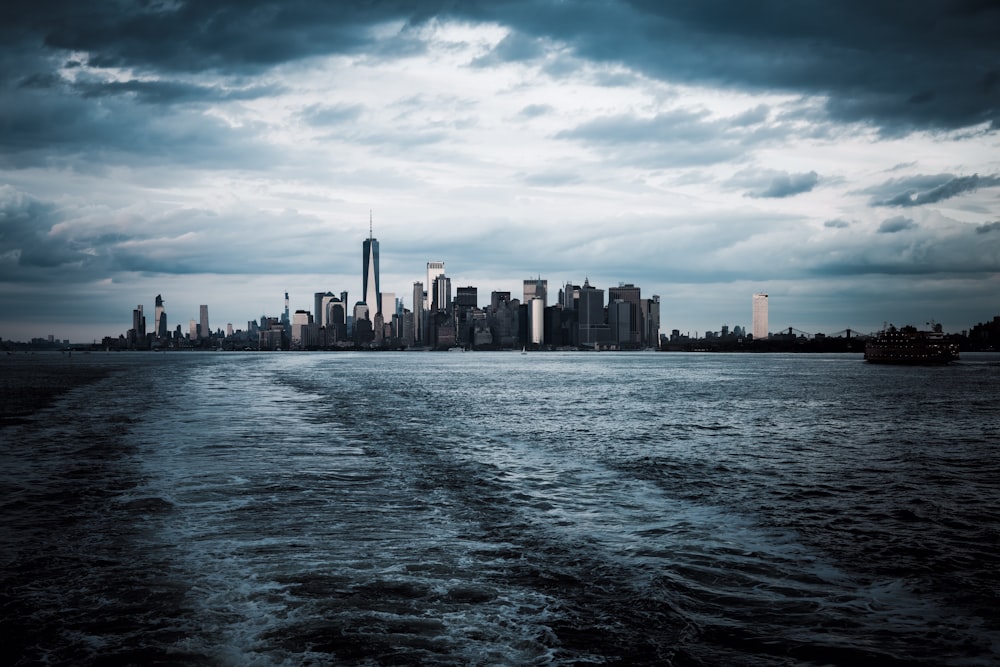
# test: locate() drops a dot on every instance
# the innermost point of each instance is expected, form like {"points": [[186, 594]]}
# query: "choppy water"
{"points": [[506, 509]]}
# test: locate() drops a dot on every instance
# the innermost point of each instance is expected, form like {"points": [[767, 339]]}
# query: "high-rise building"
{"points": [[619, 320], [503, 319], [631, 295], [467, 297], [205, 331], [336, 321], [651, 316], [137, 335], [139, 322], [466, 307], [370, 288], [569, 296], [160, 323], [590, 314], [536, 288], [334, 312], [301, 325], [387, 306], [321, 307], [434, 269], [418, 311], [496, 298], [536, 320], [760, 315], [441, 294]]}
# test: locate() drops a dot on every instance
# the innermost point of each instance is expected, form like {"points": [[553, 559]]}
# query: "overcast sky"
{"points": [[840, 156]]}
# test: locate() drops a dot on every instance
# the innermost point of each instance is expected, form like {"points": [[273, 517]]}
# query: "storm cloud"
{"points": [[895, 225], [771, 184], [811, 47], [921, 190]]}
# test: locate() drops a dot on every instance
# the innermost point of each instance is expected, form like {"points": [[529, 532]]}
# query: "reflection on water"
{"points": [[506, 509]]}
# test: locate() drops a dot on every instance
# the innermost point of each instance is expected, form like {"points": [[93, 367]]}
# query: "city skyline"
{"points": [[227, 153]]}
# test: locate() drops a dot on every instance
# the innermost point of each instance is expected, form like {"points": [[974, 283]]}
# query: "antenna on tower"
{"points": [[370, 234]]}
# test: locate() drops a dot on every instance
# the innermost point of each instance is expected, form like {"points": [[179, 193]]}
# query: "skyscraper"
{"points": [[593, 328], [434, 269], [441, 293], [619, 320], [651, 317], [569, 296], [387, 305], [418, 311], [632, 295], [205, 331], [138, 333], [318, 307], [536, 288], [161, 318], [759, 316], [536, 320], [370, 289], [467, 297]]}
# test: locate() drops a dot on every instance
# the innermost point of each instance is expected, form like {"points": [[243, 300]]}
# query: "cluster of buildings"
{"points": [[439, 317], [443, 317]]}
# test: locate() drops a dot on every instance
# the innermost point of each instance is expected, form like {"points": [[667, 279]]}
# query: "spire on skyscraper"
{"points": [[371, 294]]}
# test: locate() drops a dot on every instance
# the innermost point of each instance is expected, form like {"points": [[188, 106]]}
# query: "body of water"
{"points": [[505, 509]]}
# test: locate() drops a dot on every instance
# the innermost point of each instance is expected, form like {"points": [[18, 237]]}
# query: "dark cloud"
{"points": [[41, 242], [864, 58], [535, 110], [226, 36], [837, 224], [755, 116], [27, 244], [680, 137], [919, 190], [772, 184], [172, 92], [897, 224], [515, 47], [323, 114], [988, 227], [786, 185], [675, 125], [59, 127], [812, 47]]}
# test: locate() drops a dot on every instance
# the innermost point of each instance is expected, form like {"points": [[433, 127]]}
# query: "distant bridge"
{"points": [[792, 332]]}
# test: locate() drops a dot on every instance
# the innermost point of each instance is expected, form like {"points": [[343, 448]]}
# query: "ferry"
{"points": [[909, 346]]}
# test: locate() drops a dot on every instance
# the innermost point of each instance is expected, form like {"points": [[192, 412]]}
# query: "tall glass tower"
{"points": [[205, 331], [370, 289], [161, 318]]}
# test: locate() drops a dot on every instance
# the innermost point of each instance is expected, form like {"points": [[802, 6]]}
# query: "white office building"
{"points": [[434, 269], [759, 316], [536, 320]]}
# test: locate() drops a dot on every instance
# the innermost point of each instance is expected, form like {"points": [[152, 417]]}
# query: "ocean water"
{"points": [[506, 509]]}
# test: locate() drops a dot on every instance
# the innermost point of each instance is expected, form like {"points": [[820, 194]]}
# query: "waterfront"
{"points": [[498, 508]]}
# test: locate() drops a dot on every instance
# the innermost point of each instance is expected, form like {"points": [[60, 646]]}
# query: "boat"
{"points": [[907, 345]]}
